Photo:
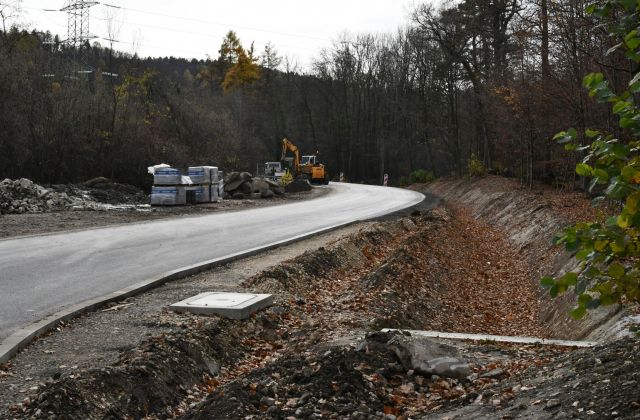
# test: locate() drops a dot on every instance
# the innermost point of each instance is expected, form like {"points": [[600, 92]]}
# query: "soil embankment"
{"points": [[529, 219]]}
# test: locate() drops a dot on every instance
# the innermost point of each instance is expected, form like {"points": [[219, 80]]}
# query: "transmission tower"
{"points": [[78, 21]]}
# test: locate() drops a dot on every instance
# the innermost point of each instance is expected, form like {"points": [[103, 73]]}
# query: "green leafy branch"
{"points": [[608, 252]]}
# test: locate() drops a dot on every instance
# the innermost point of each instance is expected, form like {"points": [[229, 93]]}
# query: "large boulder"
{"points": [[267, 194], [259, 185], [246, 188], [234, 180], [427, 356]]}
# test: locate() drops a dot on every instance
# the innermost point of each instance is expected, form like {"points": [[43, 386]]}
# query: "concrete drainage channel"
{"points": [[19, 339]]}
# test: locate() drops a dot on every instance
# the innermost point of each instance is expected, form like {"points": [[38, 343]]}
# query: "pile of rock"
{"points": [[240, 185], [25, 196]]}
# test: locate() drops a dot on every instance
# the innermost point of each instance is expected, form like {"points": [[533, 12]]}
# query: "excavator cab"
{"points": [[308, 160]]}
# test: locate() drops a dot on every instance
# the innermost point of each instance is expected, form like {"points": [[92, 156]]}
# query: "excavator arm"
{"points": [[288, 146]]}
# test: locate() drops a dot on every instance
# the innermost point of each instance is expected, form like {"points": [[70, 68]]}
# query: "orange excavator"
{"points": [[306, 167]]}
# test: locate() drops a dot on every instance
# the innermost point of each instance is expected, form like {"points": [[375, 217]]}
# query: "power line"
{"points": [[153, 46], [164, 28], [227, 25], [209, 22]]}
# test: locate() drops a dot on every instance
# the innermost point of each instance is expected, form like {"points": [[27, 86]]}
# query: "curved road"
{"points": [[40, 275]]}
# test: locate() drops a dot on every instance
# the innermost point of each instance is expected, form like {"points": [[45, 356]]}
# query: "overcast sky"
{"points": [[194, 28]]}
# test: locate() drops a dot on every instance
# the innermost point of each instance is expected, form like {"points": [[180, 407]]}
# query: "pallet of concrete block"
{"points": [[214, 174], [199, 175], [204, 175], [168, 195], [202, 193], [214, 192], [217, 187], [167, 176]]}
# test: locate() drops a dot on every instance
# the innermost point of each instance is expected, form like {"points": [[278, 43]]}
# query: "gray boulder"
{"points": [[427, 356]]}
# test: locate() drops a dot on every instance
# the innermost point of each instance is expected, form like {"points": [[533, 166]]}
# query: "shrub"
{"points": [[475, 166], [421, 176], [286, 179]]}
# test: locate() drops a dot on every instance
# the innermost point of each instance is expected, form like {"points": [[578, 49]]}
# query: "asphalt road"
{"points": [[40, 275]]}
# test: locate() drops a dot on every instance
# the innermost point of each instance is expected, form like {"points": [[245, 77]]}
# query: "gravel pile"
{"points": [[25, 196]]}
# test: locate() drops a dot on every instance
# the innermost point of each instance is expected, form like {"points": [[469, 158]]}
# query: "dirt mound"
{"points": [[298, 185], [334, 381], [149, 380], [104, 190]]}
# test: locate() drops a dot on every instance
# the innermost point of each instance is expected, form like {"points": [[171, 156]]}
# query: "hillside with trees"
{"points": [[490, 81]]}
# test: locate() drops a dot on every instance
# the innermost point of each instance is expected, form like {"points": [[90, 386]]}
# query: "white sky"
{"points": [[194, 28]]}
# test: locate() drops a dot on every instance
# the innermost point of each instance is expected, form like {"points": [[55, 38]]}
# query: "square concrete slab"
{"points": [[230, 305]]}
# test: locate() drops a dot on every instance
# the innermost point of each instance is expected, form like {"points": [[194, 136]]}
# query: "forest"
{"points": [[473, 85]]}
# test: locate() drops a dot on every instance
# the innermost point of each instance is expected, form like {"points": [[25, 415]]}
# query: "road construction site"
{"points": [[318, 352]]}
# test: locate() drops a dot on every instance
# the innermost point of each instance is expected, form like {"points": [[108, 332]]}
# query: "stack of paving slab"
{"points": [[171, 187], [168, 189]]}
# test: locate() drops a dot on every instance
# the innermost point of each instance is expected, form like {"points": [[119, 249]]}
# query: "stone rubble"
{"points": [[241, 185], [24, 196]]}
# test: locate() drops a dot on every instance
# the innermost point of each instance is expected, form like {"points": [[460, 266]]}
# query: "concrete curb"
{"points": [[20, 338], [497, 338]]}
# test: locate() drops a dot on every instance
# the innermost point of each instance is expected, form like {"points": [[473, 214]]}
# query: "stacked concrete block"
{"points": [[171, 188], [199, 175], [168, 189], [212, 173], [167, 176], [214, 193], [221, 184], [203, 193], [168, 195]]}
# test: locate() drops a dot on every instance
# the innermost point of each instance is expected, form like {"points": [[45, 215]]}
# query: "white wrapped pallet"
{"points": [[221, 184], [168, 196], [213, 173], [167, 176], [203, 193], [215, 193], [199, 175]]}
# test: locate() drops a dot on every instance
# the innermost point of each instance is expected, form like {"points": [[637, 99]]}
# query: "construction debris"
{"points": [[24, 196]]}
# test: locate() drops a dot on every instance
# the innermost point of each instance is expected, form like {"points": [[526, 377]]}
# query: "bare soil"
{"points": [[12, 225]]}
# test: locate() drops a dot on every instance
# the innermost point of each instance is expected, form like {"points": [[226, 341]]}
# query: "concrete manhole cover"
{"points": [[230, 305]]}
